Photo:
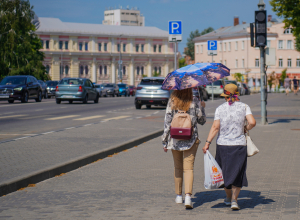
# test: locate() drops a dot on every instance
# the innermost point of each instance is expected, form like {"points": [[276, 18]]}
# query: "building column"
{"points": [[112, 45], [132, 76], [55, 68], [74, 70], [94, 72], [93, 45], [113, 71], [167, 68], [150, 68]]}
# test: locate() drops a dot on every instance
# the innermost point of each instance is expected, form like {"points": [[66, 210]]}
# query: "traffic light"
{"points": [[261, 28]]}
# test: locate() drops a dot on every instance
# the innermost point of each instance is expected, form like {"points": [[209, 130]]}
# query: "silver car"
{"points": [[149, 93], [217, 88], [99, 88]]}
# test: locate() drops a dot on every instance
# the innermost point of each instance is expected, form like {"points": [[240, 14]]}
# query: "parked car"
{"points": [[132, 90], [44, 88], [110, 89], [217, 88], [76, 89], [242, 89], [247, 89], [20, 88], [99, 89], [202, 91], [123, 89], [149, 93], [51, 87]]}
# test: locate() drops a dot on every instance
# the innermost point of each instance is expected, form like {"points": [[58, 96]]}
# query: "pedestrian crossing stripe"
{"points": [[12, 116], [62, 117], [115, 118], [89, 118]]}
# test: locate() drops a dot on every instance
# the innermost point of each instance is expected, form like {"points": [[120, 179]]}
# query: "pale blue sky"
{"points": [[195, 14]]}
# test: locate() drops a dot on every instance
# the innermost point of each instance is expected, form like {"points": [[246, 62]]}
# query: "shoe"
{"points": [[227, 201], [188, 202], [234, 205], [179, 199]]}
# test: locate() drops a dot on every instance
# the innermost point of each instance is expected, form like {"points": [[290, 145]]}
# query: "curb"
{"points": [[20, 182]]}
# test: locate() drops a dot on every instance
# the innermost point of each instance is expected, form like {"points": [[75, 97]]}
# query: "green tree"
{"points": [[283, 75], [156, 74], [182, 62], [19, 45], [207, 30], [271, 79], [289, 10], [238, 77]]}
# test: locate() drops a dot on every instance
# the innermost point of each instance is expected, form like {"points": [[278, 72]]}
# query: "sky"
{"points": [[194, 14]]}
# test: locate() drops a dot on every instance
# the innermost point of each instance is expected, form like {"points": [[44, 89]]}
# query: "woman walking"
{"points": [[231, 152], [184, 151]]}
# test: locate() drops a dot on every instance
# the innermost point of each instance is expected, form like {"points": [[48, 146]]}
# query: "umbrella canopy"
{"points": [[194, 75]]}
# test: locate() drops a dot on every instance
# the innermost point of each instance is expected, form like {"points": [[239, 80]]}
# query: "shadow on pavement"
{"points": [[247, 199], [284, 120]]}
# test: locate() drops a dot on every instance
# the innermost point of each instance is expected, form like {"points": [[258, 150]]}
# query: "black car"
{"points": [[44, 88], [202, 91], [51, 87], [20, 88]]}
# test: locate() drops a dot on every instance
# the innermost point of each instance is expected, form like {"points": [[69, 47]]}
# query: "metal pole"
{"points": [[120, 61], [175, 55], [262, 86], [212, 88]]}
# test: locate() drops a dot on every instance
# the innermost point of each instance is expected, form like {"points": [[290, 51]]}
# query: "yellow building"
{"points": [[93, 50]]}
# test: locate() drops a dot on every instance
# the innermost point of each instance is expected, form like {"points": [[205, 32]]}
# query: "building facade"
{"points": [[235, 51], [129, 17], [93, 51]]}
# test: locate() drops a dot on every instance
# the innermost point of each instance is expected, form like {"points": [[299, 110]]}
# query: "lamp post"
{"points": [[120, 60]]}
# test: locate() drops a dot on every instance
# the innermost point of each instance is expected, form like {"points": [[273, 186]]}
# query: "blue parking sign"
{"points": [[175, 27], [212, 45]]}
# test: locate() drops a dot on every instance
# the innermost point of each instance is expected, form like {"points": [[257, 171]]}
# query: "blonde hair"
{"points": [[182, 99]]}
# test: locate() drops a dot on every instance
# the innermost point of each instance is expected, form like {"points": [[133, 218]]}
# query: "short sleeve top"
{"points": [[232, 121]]}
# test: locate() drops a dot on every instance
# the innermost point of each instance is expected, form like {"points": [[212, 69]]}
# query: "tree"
{"points": [[238, 77], [19, 45], [190, 43], [290, 11], [283, 75], [182, 62], [271, 79]]}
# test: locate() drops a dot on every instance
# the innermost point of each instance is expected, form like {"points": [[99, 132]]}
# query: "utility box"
{"points": [[270, 56]]}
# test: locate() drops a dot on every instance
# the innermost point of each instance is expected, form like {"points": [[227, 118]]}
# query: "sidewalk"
{"points": [[138, 183]]}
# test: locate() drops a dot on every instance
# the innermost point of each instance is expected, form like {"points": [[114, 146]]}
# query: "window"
{"points": [[155, 69], [66, 45], [138, 70], [288, 31], [229, 46], [243, 45], [124, 47], [105, 70], [80, 46], [60, 45], [236, 45], [236, 63], [81, 70], [280, 44], [47, 69], [66, 70], [99, 46], [86, 70], [201, 49], [142, 70], [197, 49], [243, 63], [221, 46], [256, 62], [268, 43], [142, 47], [289, 44], [280, 62], [47, 44], [136, 48], [118, 47], [100, 70], [154, 48], [298, 62], [105, 46], [289, 62], [159, 48], [42, 42], [224, 46], [86, 46], [124, 70]]}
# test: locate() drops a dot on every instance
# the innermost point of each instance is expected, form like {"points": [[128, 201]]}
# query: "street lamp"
{"points": [[120, 60]]}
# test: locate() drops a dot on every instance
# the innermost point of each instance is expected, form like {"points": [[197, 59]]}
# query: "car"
{"points": [[149, 92], [132, 90], [51, 87], [76, 89], [217, 88], [247, 89], [110, 89], [44, 88], [202, 91], [99, 88], [242, 89], [123, 89], [20, 88]]}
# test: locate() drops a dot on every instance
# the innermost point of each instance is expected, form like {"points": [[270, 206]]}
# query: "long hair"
{"points": [[182, 99]]}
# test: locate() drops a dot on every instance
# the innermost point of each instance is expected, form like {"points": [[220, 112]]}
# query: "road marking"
{"points": [[156, 112], [21, 138], [115, 118], [49, 132], [69, 128], [62, 117], [12, 116], [87, 125], [88, 118], [18, 134], [39, 110], [40, 116]]}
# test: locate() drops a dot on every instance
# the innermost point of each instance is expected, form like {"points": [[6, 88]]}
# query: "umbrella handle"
{"points": [[200, 95]]}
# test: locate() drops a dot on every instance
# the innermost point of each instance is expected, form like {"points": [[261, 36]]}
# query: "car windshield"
{"points": [[52, 83], [122, 85], [217, 83], [108, 85], [151, 82], [71, 82], [231, 81], [13, 81]]}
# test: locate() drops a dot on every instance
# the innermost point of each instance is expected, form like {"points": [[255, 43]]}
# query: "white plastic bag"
{"points": [[213, 173]]}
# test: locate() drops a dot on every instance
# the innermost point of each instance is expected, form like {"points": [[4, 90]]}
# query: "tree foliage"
{"points": [[238, 77], [19, 45], [289, 10], [190, 43], [283, 75], [182, 62]]}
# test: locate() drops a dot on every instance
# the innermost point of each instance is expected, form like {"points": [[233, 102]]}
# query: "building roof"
{"points": [[56, 26]]}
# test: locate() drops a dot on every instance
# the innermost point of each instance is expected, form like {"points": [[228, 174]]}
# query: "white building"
{"points": [[128, 17]]}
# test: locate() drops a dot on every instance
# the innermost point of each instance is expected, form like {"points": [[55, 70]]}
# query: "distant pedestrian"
{"points": [[184, 151], [287, 85], [231, 153], [296, 85]]}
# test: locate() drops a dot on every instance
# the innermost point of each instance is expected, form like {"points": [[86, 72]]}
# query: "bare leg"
{"points": [[235, 192], [228, 192]]}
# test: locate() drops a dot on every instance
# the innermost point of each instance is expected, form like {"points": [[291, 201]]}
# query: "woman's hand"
{"points": [[206, 147], [165, 149], [202, 104]]}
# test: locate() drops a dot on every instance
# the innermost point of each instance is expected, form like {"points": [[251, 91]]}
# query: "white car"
{"points": [[242, 89]]}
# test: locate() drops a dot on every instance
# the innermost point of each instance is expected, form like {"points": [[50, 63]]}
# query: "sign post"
{"points": [[212, 46], [175, 35]]}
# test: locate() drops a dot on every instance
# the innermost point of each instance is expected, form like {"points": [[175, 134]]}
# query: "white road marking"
{"points": [[21, 138], [39, 116], [12, 116], [49, 132], [87, 125], [62, 117], [18, 134], [156, 112], [89, 118], [115, 118], [69, 128]]}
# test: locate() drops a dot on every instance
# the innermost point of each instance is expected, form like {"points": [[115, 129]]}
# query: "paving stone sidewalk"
{"points": [[138, 183]]}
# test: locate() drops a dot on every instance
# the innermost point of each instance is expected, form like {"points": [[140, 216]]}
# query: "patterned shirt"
{"points": [[197, 116], [232, 121]]}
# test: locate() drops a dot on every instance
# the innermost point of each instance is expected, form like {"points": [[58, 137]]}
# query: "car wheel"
{"points": [[138, 106], [10, 101], [70, 101], [49, 97], [148, 106], [46, 95], [85, 100], [97, 99], [58, 101], [39, 98], [25, 98]]}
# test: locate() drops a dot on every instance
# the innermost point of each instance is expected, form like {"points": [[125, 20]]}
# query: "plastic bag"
{"points": [[213, 173]]}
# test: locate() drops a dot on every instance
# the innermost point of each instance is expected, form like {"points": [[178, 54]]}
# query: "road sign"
{"points": [[175, 27], [212, 53], [212, 45]]}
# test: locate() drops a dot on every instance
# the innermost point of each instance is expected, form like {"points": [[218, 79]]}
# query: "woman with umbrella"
{"points": [[184, 151]]}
